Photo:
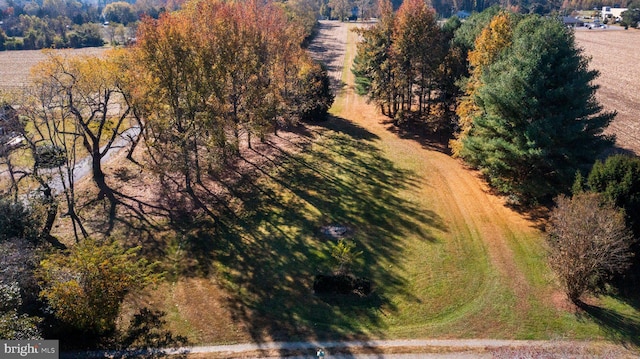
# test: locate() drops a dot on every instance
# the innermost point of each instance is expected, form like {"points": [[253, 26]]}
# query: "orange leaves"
{"points": [[488, 46]]}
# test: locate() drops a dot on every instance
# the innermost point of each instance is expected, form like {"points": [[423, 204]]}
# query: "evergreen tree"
{"points": [[491, 42], [618, 179], [539, 121], [373, 63]]}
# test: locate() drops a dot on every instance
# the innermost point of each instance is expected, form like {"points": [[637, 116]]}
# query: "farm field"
{"points": [[615, 54], [15, 65]]}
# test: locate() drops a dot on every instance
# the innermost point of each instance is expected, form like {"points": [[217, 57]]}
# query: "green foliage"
{"points": [[86, 285], [120, 11], [631, 17], [400, 64], [540, 121], [50, 156], [86, 35], [314, 95], [345, 255], [16, 221], [3, 38], [14, 325], [373, 65], [618, 179], [466, 34], [19, 319]]}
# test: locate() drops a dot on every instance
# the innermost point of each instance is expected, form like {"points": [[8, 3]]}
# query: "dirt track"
{"points": [[615, 54], [457, 194]]}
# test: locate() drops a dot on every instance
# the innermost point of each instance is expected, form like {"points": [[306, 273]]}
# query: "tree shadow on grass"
{"points": [[617, 326], [268, 253], [423, 134]]}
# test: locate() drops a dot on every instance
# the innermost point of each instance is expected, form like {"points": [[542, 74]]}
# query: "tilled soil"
{"points": [[615, 54]]}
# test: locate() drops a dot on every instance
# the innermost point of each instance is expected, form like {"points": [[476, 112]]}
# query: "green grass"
{"points": [[426, 284], [433, 276]]}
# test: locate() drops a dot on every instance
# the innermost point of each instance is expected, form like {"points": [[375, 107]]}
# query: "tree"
{"points": [[401, 60], [18, 290], [121, 12], [86, 285], [618, 179], [539, 119], [373, 64], [588, 243], [340, 9], [417, 47], [214, 73], [631, 17], [83, 99], [491, 42]]}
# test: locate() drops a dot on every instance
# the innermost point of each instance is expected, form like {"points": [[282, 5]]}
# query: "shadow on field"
{"points": [[423, 133], [617, 326], [268, 252]]}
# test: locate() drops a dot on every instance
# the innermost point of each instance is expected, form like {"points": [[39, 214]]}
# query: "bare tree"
{"points": [[589, 242]]}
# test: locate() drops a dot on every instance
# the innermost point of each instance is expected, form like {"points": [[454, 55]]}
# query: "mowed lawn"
{"points": [[447, 258]]}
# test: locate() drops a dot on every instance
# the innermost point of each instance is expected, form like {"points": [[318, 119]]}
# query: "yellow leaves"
{"points": [[488, 46], [86, 285], [490, 43]]}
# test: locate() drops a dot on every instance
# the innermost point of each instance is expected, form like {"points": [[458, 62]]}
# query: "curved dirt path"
{"points": [[457, 194]]}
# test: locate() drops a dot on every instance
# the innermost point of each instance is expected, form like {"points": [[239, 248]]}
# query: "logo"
{"points": [[37, 349]]}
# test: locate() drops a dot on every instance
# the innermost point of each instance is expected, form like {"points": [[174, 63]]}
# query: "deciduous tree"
{"points": [[588, 241], [491, 42], [86, 285], [83, 101]]}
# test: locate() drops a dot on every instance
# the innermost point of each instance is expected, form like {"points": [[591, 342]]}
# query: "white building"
{"points": [[612, 13]]}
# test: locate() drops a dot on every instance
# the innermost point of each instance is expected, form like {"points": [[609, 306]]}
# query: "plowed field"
{"points": [[615, 54], [16, 65]]}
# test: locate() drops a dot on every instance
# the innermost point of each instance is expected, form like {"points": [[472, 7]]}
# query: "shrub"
{"points": [[589, 242], [50, 156]]}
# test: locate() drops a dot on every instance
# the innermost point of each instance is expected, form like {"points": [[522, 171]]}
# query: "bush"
{"points": [[50, 156], [589, 242], [85, 286], [16, 221]]}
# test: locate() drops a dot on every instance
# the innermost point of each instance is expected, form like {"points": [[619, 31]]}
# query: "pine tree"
{"points": [[491, 42], [540, 121]]}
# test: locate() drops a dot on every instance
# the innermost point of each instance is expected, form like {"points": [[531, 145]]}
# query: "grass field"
{"points": [[447, 258]]}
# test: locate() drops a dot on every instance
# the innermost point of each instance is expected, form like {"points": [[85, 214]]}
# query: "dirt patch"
{"points": [[615, 54]]}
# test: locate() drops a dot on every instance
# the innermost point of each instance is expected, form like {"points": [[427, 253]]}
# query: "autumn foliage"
{"points": [[221, 74]]}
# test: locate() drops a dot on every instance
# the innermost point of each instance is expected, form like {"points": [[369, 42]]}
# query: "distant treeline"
{"points": [[74, 24]]}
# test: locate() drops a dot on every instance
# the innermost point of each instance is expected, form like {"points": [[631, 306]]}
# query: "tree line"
{"points": [[517, 97], [76, 24], [200, 85]]}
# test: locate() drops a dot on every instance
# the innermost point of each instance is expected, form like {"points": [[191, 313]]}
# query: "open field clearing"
{"points": [[15, 65], [615, 54], [447, 258]]}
